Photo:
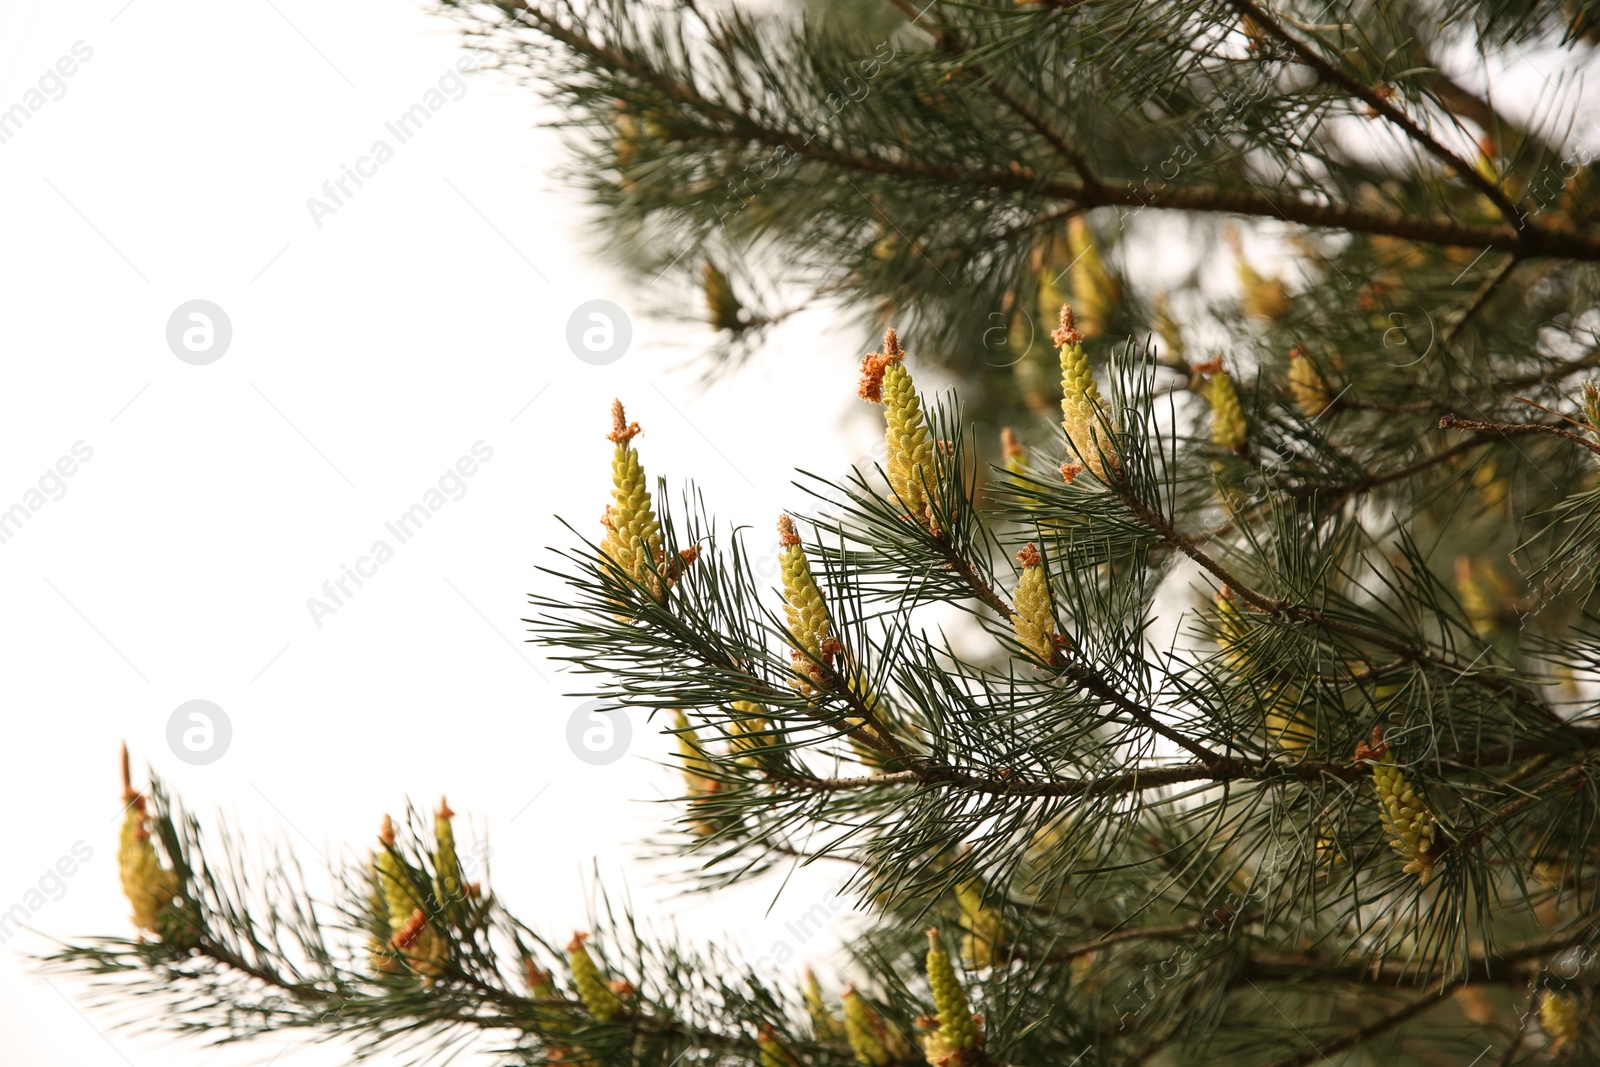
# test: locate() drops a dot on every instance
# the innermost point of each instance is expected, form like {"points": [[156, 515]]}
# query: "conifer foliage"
{"points": [[1243, 710]]}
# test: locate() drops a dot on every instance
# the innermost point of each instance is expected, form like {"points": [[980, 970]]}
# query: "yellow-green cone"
{"points": [[1013, 452], [865, 1031], [751, 733], [1094, 291], [399, 896], [773, 1054], [633, 536], [908, 456], [1561, 1018], [1231, 632], [1229, 429], [1083, 412], [378, 929], [1402, 808], [807, 614], [957, 1031], [1168, 330], [698, 774], [1306, 385], [149, 887], [1032, 620], [1486, 597], [825, 1026], [412, 936], [723, 309], [1591, 408], [1286, 726], [597, 996], [450, 886], [1263, 297], [1050, 296], [984, 930]]}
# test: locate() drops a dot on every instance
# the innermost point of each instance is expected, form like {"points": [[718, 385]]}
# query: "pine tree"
{"points": [[1282, 746]]}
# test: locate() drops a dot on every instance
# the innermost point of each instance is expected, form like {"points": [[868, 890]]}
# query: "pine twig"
{"points": [[1422, 138], [1509, 429]]}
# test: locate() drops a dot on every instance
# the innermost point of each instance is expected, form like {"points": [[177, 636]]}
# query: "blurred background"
{"points": [[424, 320]]}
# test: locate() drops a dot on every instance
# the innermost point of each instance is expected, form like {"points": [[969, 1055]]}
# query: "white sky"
{"points": [[367, 356]]}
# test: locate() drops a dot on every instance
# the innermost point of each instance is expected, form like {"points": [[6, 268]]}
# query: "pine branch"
{"points": [[1530, 241], [1501, 429], [951, 45], [1478, 968], [1381, 106], [1384, 1024], [1280, 608]]}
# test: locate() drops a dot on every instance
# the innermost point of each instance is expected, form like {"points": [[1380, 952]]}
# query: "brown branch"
{"points": [[1530, 242], [1479, 297], [926, 772], [1506, 429], [1377, 1026], [1170, 932], [1381, 106], [1516, 807], [1481, 967], [1361, 485]]}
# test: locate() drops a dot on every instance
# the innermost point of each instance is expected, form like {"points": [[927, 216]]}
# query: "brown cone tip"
{"points": [[578, 938], [1070, 471], [786, 533], [1029, 556], [1373, 750], [386, 831], [407, 935], [1225, 593], [622, 431], [444, 811], [891, 346], [128, 792], [1298, 352], [1067, 333], [1009, 444], [874, 364]]}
